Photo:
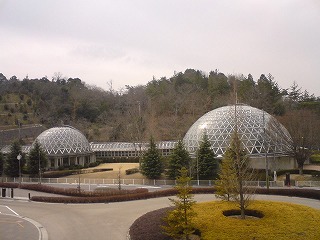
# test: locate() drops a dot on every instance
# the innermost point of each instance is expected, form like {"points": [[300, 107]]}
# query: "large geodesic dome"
{"points": [[259, 132], [66, 140]]}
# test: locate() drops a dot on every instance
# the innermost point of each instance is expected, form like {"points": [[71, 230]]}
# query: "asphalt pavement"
{"points": [[90, 221]]}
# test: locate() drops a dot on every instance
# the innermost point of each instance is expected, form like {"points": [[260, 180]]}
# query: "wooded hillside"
{"points": [[164, 108]]}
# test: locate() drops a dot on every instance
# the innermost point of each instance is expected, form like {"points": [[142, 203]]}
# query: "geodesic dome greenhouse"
{"points": [[259, 132], [63, 141], [65, 146]]}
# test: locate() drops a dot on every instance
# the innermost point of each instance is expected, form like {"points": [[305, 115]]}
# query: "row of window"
{"points": [[164, 152]]}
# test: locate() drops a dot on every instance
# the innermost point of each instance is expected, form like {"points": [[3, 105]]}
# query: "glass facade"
{"points": [[127, 149], [259, 132]]}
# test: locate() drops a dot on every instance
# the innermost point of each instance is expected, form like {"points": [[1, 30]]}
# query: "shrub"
{"points": [[94, 164], [60, 173], [315, 158], [132, 171], [296, 171], [291, 192], [8, 185]]}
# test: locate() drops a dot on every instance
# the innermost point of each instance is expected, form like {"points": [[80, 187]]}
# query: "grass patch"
{"points": [[315, 158], [281, 221]]}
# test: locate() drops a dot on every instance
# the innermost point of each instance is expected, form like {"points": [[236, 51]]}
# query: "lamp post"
{"points": [[198, 182], [19, 158], [266, 151], [39, 168], [79, 185]]}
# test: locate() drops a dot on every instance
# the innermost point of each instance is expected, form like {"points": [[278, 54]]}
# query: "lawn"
{"points": [[281, 221]]}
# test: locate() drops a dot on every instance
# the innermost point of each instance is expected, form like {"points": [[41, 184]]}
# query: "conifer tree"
{"points": [[179, 158], [1, 164], [207, 164], [151, 164], [11, 161], [179, 221], [36, 154]]}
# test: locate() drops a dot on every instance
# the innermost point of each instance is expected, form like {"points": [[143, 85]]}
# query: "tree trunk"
{"points": [[242, 208], [300, 166], [300, 170]]}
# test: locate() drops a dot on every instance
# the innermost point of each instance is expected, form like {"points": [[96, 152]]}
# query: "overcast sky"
{"points": [[129, 41]]}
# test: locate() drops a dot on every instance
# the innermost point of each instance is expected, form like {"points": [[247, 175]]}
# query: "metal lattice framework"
{"points": [[64, 141], [259, 132]]}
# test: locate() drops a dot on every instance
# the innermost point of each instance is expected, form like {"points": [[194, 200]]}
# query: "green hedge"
{"points": [[315, 158], [118, 159], [291, 192], [132, 171], [296, 171]]}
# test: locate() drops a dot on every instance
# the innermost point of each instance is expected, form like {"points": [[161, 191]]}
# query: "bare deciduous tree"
{"points": [[234, 174], [304, 128]]}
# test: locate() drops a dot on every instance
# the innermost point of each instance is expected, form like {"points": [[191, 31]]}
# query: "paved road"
{"points": [[104, 221]]}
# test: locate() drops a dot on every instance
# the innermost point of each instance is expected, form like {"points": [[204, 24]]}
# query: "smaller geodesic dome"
{"points": [[259, 132], [64, 140], [65, 146]]}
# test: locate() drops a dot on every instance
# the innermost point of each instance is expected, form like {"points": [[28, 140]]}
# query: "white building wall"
{"points": [[274, 163]]}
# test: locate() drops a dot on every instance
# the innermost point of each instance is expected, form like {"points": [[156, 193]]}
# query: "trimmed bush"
{"points": [[296, 171], [315, 158], [58, 174], [291, 192], [132, 171], [114, 195], [9, 185]]}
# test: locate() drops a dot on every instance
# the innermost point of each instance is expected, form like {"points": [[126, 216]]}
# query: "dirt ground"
{"points": [[312, 167], [122, 167]]}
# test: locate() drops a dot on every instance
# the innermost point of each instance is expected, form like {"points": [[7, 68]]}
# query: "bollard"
{"points": [[29, 195], [3, 192], [11, 192]]}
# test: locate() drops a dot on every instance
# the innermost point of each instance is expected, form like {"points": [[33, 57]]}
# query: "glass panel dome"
{"points": [[64, 141], [259, 131]]}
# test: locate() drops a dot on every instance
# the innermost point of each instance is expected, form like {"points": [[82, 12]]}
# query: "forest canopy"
{"points": [[164, 108]]}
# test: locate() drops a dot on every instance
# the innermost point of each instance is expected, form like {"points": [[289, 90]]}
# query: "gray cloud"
{"points": [[130, 41]]}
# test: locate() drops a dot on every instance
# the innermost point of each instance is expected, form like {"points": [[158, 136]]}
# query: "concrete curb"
{"points": [[43, 234]]}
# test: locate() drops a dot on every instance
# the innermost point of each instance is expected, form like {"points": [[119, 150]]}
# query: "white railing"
{"points": [[149, 182], [307, 183]]}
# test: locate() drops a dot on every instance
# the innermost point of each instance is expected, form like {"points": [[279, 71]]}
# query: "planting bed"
{"points": [[281, 221]]}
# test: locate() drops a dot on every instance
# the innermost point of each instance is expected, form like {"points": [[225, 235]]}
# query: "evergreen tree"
{"points": [[179, 221], [179, 158], [151, 165], [11, 161], [36, 154], [1, 164], [207, 164]]}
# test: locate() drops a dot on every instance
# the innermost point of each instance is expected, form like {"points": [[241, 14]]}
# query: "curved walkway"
{"points": [[14, 226], [106, 221]]}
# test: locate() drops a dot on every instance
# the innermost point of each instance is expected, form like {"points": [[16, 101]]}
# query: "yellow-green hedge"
{"points": [[281, 221]]}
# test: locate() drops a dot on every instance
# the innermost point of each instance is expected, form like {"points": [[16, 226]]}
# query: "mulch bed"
{"points": [[148, 226]]}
